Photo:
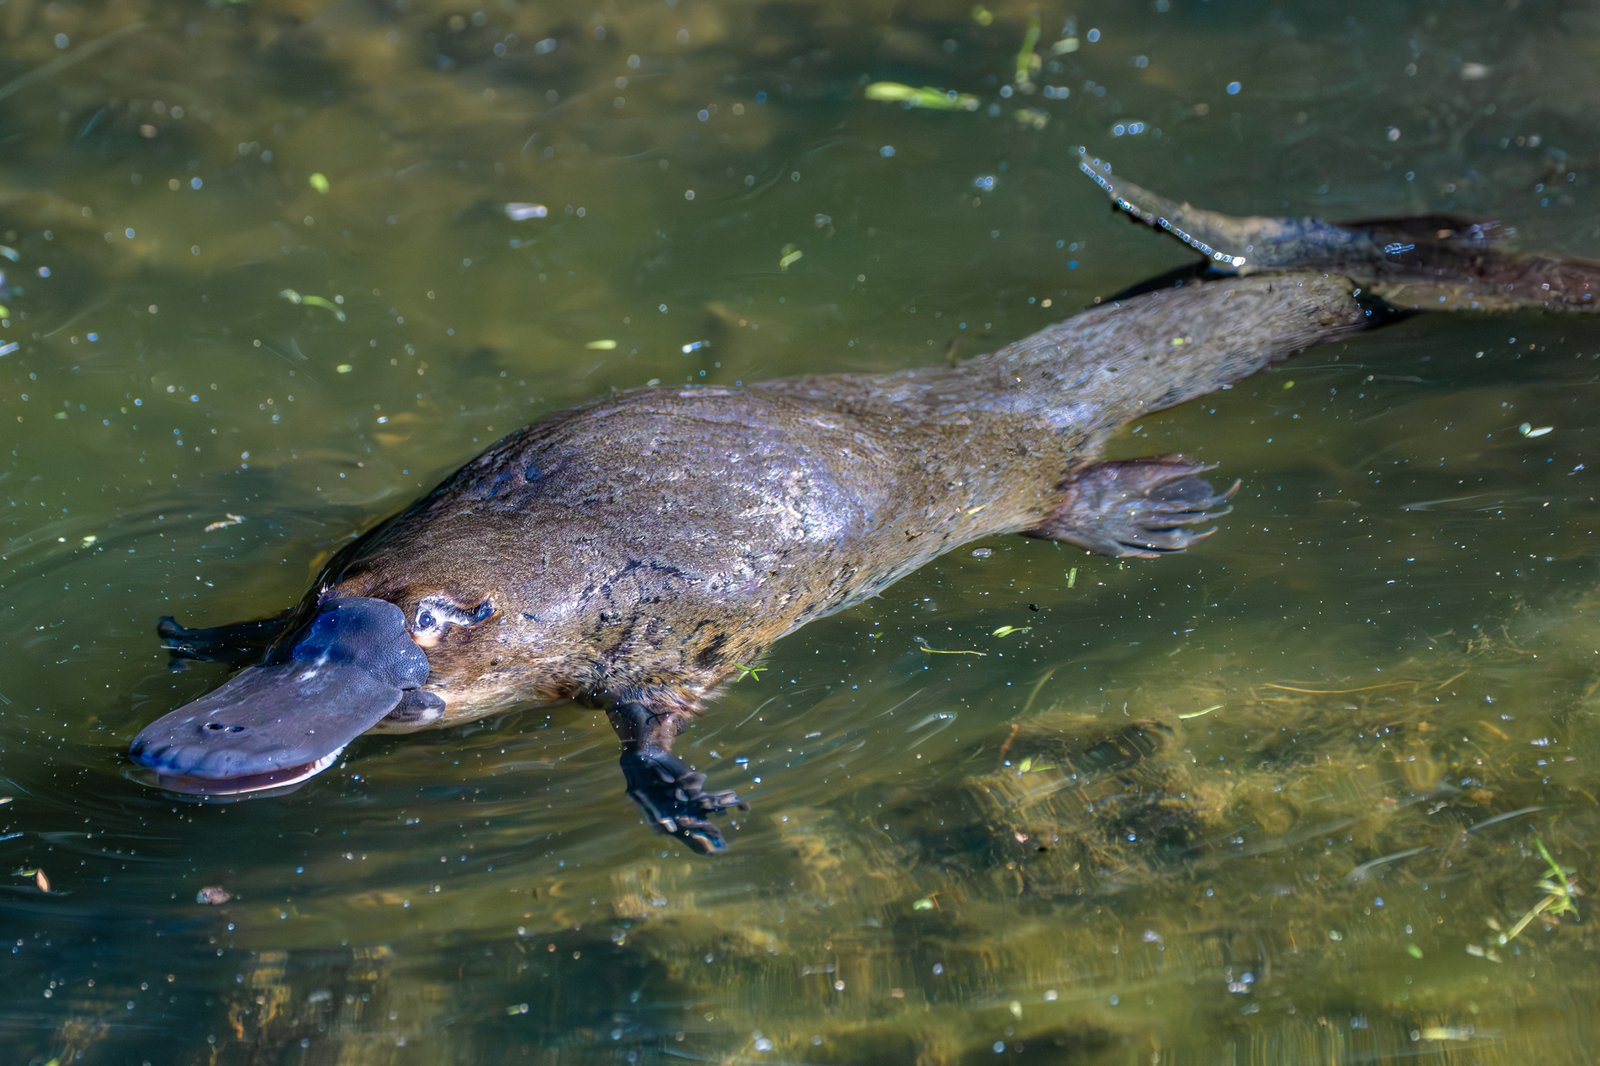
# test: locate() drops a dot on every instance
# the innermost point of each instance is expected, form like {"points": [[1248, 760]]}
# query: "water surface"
{"points": [[273, 268]]}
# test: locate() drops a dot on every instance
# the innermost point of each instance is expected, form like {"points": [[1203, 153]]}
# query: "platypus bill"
{"points": [[631, 554]]}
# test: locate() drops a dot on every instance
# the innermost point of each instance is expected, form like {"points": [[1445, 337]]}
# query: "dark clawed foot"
{"points": [[1139, 508], [674, 801], [239, 644]]}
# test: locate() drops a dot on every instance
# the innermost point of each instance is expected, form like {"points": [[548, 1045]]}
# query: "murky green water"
{"points": [[1277, 800]]}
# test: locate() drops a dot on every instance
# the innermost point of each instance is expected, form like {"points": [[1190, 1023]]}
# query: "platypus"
{"points": [[638, 553]]}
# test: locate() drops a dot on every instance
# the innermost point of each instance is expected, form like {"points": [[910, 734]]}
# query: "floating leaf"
{"points": [[894, 92], [313, 301], [951, 651], [1027, 60]]}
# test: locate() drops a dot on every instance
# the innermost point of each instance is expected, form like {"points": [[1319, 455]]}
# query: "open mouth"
{"points": [[276, 782], [273, 726]]}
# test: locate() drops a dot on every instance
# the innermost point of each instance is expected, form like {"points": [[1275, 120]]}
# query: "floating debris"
{"points": [[1528, 429], [1031, 117], [39, 879], [951, 651], [789, 257], [604, 344], [1560, 894], [319, 182], [524, 212], [323, 302], [926, 96], [213, 896], [231, 520], [1028, 59], [1006, 631]]}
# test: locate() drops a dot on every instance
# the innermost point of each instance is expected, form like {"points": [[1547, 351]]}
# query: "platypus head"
{"points": [[277, 723], [374, 645]]}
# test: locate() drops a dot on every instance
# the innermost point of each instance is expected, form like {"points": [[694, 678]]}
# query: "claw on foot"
{"points": [[239, 644], [1138, 508], [674, 799]]}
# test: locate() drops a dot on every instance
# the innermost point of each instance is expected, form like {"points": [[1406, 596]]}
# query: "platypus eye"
{"points": [[435, 613]]}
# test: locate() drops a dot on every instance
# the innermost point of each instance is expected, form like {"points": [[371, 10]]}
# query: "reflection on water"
{"points": [[270, 268]]}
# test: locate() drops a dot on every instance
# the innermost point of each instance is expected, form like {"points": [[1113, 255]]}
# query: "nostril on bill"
{"points": [[222, 727]]}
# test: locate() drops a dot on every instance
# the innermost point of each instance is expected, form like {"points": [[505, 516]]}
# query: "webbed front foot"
{"points": [[237, 644], [673, 799], [1137, 508]]}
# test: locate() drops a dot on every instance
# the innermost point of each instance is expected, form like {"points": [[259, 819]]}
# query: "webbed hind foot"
{"points": [[673, 799], [1137, 508]]}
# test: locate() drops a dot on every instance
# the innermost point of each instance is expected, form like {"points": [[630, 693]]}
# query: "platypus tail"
{"points": [[1274, 287], [1427, 263]]}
